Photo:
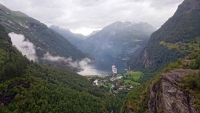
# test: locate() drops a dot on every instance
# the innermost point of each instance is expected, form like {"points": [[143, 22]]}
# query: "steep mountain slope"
{"points": [[75, 39], [179, 36], [173, 90], [168, 97], [26, 86], [120, 39], [45, 40]]}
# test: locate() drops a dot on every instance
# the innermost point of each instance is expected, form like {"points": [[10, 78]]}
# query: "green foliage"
{"points": [[131, 82], [134, 75], [193, 64], [193, 55], [191, 83], [198, 61], [137, 100], [173, 65]]}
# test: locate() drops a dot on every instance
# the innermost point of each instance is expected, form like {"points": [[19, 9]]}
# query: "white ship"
{"points": [[114, 69]]}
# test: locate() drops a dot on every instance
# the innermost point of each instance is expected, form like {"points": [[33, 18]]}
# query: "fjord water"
{"points": [[102, 66]]}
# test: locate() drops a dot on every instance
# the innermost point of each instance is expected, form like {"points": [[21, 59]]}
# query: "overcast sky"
{"points": [[84, 16]]}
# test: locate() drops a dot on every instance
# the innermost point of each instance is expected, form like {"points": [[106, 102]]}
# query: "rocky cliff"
{"points": [[167, 97]]}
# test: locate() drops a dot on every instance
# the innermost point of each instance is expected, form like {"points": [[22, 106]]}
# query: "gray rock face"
{"points": [[167, 97], [146, 59]]}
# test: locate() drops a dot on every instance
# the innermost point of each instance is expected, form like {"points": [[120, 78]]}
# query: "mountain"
{"points": [[47, 45], [93, 33], [29, 87], [75, 39], [174, 86], [178, 37], [120, 39]]}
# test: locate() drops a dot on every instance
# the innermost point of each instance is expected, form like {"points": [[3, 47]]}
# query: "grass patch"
{"points": [[184, 47], [132, 82], [119, 75], [169, 45], [109, 85], [134, 75]]}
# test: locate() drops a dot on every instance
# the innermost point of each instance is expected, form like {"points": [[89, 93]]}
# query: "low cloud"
{"points": [[23, 45], [83, 64], [90, 70], [87, 69], [49, 57]]}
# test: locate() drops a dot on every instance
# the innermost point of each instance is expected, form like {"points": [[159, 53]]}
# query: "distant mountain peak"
{"points": [[58, 27], [118, 39], [74, 38]]}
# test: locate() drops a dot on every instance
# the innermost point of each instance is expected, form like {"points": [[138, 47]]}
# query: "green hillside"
{"points": [[28, 87]]}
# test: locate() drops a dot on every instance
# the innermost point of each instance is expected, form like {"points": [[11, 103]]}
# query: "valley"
{"points": [[125, 65]]}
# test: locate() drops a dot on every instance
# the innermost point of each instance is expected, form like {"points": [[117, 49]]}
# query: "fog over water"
{"points": [[103, 65]]}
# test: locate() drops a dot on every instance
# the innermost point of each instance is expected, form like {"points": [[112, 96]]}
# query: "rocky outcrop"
{"points": [[167, 97], [146, 60]]}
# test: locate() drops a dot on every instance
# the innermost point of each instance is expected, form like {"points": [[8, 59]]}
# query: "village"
{"points": [[118, 84]]}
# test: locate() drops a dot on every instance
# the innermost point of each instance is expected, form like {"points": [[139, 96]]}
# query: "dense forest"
{"points": [[29, 87]]}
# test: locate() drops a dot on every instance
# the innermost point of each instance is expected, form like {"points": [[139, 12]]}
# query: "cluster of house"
{"points": [[114, 70]]}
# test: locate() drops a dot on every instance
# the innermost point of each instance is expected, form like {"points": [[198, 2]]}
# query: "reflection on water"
{"points": [[102, 66]]}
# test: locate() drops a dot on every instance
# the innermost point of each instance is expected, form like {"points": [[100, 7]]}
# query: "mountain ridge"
{"points": [[119, 39], [74, 38]]}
